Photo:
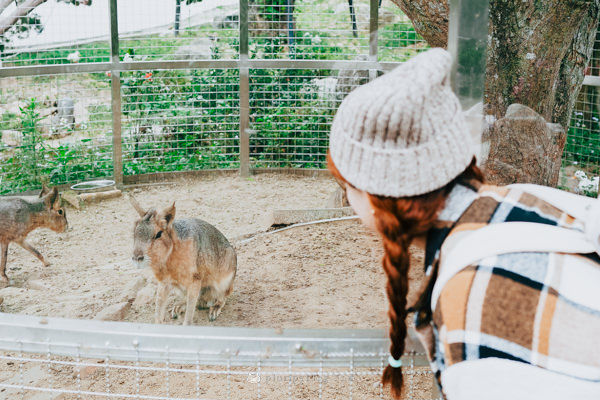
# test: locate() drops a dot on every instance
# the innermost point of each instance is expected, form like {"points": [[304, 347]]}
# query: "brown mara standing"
{"points": [[188, 254], [21, 215]]}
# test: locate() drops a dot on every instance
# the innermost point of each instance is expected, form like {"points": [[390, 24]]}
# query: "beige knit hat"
{"points": [[403, 134]]}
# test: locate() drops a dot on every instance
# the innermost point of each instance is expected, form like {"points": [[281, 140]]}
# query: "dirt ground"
{"points": [[321, 276]]}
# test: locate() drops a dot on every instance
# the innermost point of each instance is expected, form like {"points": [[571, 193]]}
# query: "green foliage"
{"points": [[33, 149], [189, 120], [290, 120], [196, 115], [93, 52], [583, 141], [34, 161], [399, 41]]}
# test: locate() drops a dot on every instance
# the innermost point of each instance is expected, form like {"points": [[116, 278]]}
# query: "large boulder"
{"points": [[199, 49], [523, 148]]}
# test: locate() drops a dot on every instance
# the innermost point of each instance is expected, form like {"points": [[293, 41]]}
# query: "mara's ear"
{"points": [[136, 205], [167, 216], [52, 199], [149, 215], [44, 191]]}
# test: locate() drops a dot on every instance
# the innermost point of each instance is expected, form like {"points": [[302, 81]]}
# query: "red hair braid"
{"points": [[399, 221]]}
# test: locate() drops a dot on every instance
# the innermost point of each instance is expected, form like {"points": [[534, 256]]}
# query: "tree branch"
{"points": [[429, 17], [4, 5], [21, 11]]}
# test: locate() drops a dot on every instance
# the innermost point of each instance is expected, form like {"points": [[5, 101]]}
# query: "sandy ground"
{"points": [[321, 276]]}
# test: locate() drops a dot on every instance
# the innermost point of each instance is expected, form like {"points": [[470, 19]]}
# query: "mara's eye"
{"points": [[158, 235], [60, 212]]}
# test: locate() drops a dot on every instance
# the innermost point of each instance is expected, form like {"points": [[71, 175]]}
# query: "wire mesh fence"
{"points": [[55, 127], [72, 359], [291, 112], [309, 29], [37, 33], [176, 120], [581, 157], [397, 38], [188, 32], [177, 72]]}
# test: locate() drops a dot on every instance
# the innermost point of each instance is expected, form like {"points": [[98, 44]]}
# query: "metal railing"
{"points": [[97, 359]]}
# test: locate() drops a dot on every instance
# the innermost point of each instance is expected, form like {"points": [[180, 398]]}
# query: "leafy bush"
{"points": [[583, 140], [35, 162]]}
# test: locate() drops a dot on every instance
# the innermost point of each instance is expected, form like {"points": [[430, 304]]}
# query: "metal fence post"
{"points": [[244, 72], [116, 94], [467, 43], [373, 35]]}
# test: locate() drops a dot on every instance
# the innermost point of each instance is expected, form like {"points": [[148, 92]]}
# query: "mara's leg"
{"points": [[216, 309], [3, 259], [206, 298], [177, 308], [160, 309], [193, 292], [33, 251], [221, 291]]}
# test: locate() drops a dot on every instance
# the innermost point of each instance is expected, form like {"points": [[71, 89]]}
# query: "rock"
{"points": [[326, 88], [524, 148], [37, 285], [116, 312], [11, 291], [66, 112], [386, 17], [349, 79], [12, 138], [99, 196], [1, 300], [338, 199], [145, 296], [132, 288], [567, 179], [200, 49], [226, 21], [71, 198]]}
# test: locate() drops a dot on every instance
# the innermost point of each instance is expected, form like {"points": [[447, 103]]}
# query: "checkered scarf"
{"points": [[542, 309]]}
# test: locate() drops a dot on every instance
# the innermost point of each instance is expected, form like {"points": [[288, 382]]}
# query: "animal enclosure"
{"points": [[286, 282], [235, 86]]}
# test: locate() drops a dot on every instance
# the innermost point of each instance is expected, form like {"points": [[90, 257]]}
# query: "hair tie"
{"points": [[394, 363]]}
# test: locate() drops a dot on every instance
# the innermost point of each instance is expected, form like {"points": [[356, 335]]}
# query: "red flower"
{"points": [[148, 76]]}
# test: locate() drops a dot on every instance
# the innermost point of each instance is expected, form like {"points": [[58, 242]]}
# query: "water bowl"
{"points": [[94, 186]]}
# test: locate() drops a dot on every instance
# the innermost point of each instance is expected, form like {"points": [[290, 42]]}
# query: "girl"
{"points": [[510, 307]]}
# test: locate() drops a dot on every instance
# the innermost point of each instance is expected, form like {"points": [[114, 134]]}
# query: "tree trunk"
{"points": [[538, 51], [538, 55]]}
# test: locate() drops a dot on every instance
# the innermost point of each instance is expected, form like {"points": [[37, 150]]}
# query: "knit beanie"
{"points": [[403, 134]]}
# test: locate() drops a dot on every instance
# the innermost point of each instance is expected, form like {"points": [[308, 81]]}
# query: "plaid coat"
{"points": [[541, 309]]}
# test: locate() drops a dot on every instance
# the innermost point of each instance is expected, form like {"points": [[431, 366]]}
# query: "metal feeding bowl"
{"points": [[94, 186]]}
